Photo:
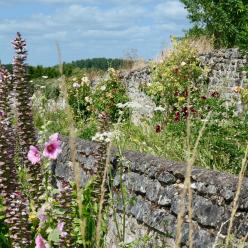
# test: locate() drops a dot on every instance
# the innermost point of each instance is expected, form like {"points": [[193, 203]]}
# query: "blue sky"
{"points": [[89, 28]]}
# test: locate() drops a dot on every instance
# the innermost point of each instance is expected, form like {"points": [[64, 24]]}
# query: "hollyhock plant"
{"points": [[52, 147], [34, 155], [40, 242]]}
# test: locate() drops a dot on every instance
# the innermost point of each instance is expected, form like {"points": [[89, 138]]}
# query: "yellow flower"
{"points": [[181, 98], [32, 217]]}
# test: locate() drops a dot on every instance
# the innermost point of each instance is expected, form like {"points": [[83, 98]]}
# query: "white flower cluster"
{"points": [[136, 106], [105, 136], [132, 105], [88, 99], [159, 108], [84, 81]]}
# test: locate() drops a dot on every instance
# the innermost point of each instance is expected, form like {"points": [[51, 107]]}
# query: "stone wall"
{"points": [[153, 195], [225, 71], [226, 66]]}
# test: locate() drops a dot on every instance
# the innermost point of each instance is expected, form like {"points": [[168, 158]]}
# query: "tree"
{"points": [[226, 20]]}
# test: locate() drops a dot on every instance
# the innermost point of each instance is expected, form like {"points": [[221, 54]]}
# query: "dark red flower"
{"points": [[158, 128], [177, 116], [176, 93], [215, 94], [203, 97], [185, 93]]}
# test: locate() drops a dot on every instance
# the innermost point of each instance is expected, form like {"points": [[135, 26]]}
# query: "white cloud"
{"points": [[97, 27], [170, 10]]}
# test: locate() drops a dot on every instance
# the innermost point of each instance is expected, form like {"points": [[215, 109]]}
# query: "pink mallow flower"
{"points": [[34, 155], [60, 227], [52, 147], [40, 242]]}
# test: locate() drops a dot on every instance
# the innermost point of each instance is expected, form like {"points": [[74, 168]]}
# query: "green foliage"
{"points": [[108, 94], [173, 79], [221, 147], [226, 20], [99, 63], [79, 97]]}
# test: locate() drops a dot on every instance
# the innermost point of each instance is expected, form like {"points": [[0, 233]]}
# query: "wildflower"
{"points": [[105, 136], [158, 128], [103, 87], [40, 242], [76, 85], [34, 155], [181, 99], [52, 147], [177, 116], [183, 63], [159, 108], [176, 93], [85, 80], [32, 217], [60, 228], [215, 94], [1, 113], [111, 70], [88, 99], [132, 105]]}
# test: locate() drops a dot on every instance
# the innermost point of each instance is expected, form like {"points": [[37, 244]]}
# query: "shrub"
{"points": [[107, 95], [79, 97], [176, 77]]}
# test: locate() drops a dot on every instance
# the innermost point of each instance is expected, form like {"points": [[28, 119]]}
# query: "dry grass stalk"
{"points": [[236, 198], [187, 189], [102, 197], [219, 234], [73, 149], [201, 45]]}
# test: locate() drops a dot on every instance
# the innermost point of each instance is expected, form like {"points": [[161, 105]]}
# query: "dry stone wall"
{"points": [[226, 66], [151, 204]]}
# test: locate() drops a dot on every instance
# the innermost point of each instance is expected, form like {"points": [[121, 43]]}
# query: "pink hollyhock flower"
{"points": [[52, 147], [34, 155], [40, 242], [60, 227]]}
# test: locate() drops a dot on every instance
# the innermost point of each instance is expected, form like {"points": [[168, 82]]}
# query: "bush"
{"points": [[107, 95], [177, 77]]}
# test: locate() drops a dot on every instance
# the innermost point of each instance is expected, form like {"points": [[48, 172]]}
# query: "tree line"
{"points": [[87, 64]]}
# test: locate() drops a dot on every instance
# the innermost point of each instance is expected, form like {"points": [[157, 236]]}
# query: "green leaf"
{"points": [[54, 236]]}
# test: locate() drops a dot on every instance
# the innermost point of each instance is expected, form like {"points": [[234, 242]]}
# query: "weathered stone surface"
{"points": [[206, 213], [153, 187]]}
